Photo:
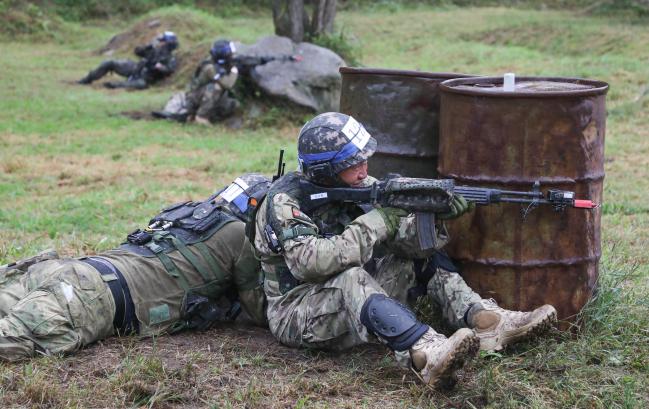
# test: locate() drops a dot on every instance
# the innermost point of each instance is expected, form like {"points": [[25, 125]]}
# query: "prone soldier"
{"points": [[192, 266], [327, 287], [156, 63]]}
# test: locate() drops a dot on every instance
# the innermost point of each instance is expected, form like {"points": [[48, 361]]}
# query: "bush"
{"points": [[341, 45], [21, 18]]}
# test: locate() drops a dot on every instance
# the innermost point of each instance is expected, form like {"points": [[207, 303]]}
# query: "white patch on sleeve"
{"points": [[68, 291], [356, 133], [317, 196], [235, 189]]}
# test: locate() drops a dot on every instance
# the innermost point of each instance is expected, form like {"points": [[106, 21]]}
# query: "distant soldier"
{"points": [[209, 97], [157, 62], [191, 267]]}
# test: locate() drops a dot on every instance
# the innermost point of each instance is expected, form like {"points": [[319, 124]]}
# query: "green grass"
{"points": [[77, 175]]}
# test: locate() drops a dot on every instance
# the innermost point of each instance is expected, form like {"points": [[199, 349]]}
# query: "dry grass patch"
{"points": [[236, 366]]}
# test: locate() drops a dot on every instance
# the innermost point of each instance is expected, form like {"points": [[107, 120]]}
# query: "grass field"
{"points": [[76, 174]]}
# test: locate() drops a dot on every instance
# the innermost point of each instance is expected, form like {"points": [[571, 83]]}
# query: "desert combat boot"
{"points": [[436, 357], [497, 327]]}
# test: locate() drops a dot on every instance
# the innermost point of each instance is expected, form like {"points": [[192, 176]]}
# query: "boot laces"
{"points": [[429, 341], [510, 316]]}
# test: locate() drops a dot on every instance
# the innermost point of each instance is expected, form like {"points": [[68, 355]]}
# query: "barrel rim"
{"points": [[403, 73], [601, 87]]}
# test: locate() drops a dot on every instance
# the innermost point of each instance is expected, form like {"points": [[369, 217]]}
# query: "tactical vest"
{"points": [[330, 219], [204, 255], [177, 227]]}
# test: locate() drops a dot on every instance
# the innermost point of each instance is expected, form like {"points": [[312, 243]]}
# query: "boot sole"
{"points": [[463, 352]]}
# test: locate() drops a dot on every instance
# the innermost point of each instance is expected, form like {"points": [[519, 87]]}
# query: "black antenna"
{"points": [[280, 166]]}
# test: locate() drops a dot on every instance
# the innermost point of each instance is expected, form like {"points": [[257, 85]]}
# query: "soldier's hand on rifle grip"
{"points": [[457, 207], [392, 217]]}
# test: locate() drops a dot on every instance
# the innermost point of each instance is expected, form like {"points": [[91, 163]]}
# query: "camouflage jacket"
{"points": [[206, 73], [332, 239]]}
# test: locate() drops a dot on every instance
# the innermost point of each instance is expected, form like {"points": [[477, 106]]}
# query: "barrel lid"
{"points": [[526, 87], [400, 73]]}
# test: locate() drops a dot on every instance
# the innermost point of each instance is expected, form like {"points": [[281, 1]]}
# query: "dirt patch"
{"points": [[138, 115], [235, 365], [188, 59]]}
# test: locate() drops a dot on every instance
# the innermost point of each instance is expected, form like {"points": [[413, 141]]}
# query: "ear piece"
{"points": [[320, 172]]}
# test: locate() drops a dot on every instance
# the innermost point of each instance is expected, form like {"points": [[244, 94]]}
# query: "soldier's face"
{"points": [[355, 175]]}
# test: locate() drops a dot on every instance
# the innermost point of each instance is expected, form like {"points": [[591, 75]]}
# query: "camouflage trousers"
{"points": [[211, 102], [327, 315], [125, 68], [57, 306]]}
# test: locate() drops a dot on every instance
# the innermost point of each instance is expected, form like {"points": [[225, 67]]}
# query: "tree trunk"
{"points": [[324, 12], [288, 18], [329, 16], [296, 16], [279, 18], [316, 19], [292, 20]]}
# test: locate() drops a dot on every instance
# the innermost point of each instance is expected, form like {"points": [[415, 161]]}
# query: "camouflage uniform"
{"points": [[331, 270], [61, 305], [208, 97]]}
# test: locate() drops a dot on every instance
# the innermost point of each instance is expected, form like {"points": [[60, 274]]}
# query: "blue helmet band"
{"points": [[347, 151]]}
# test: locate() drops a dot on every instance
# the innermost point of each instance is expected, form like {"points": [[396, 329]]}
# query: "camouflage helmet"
{"points": [[242, 196], [330, 143], [222, 51]]}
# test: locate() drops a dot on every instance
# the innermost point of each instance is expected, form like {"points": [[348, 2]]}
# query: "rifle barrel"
{"points": [[478, 195], [518, 193]]}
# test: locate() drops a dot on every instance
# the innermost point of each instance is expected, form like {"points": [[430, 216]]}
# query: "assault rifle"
{"points": [[245, 63], [425, 197]]}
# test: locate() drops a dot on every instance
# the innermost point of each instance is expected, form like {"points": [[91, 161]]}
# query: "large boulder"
{"points": [[313, 82]]}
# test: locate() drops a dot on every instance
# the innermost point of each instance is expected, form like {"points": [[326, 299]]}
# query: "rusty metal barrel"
{"points": [[401, 110], [549, 130]]}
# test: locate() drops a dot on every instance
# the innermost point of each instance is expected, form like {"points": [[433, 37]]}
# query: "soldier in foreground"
{"points": [[156, 63], [190, 268], [328, 288]]}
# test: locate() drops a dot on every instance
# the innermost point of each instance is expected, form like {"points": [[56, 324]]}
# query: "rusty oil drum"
{"points": [[401, 110], [549, 130]]}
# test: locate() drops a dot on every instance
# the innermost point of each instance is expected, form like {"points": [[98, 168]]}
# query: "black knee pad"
{"points": [[391, 322]]}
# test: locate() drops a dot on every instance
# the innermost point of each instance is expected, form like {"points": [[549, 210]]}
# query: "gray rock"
{"points": [[313, 83]]}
